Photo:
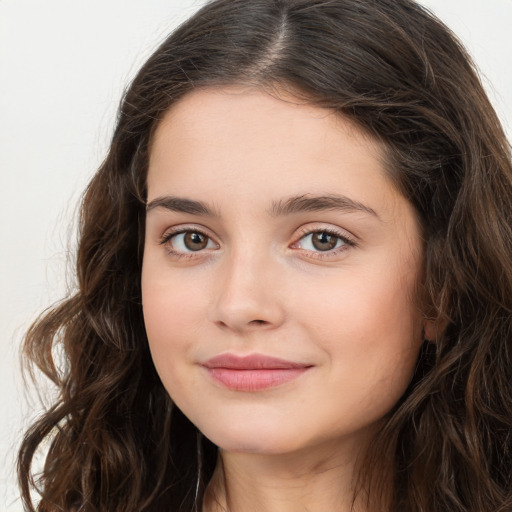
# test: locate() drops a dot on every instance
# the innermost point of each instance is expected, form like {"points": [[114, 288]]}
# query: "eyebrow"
{"points": [[296, 204], [309, 203], [178, 204]]}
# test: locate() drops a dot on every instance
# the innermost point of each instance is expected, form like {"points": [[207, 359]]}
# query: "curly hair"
{"points": [[117, 442]]}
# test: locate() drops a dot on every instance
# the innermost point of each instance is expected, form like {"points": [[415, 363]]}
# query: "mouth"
{"points": [[254, 372]]}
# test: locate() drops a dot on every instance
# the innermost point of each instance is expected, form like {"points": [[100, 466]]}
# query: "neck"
{"points": [[319, 479]]}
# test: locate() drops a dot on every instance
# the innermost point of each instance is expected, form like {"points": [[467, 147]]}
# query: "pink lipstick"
{"points": [[254, 372]]}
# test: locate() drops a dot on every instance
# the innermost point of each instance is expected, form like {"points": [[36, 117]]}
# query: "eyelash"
{"points": [[167, 237], [347, 242]]}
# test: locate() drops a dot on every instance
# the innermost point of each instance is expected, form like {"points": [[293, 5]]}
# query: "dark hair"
{"points": [[117, 442]]}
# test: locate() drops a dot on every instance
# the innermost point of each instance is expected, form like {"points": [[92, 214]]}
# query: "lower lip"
{"points": [[254, 380]]}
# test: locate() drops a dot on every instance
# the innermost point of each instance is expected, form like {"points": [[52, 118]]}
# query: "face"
{"points": [[279, 274]]}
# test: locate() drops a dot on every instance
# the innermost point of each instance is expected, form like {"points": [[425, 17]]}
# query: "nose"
{"points": [[249, 295]]}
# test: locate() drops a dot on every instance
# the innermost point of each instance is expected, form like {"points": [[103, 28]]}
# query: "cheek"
{"points": [[361, 308], [166, 309], [172, 313], [370, 331]]}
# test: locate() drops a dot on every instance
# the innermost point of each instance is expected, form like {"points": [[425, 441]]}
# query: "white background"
{"points": [[63, 66]]}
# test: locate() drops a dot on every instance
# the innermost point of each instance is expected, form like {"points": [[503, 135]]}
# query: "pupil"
{"points": [[195, 241], [324, 241]]}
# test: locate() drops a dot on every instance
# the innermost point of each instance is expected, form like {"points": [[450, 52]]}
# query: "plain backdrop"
{"points": [[63, 67]]}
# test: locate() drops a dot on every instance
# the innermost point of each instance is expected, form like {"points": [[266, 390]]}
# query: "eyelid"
{"points": [[177, 230], [170, 233], [348, 239]]}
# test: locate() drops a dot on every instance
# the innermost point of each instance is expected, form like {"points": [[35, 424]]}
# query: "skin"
{"points": [[260, 285]]}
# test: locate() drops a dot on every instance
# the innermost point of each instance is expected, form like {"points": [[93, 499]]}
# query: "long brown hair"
{"points": [[117, 442]]}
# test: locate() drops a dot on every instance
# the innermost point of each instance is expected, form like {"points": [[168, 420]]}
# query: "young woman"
{"points": [[295, 277]]}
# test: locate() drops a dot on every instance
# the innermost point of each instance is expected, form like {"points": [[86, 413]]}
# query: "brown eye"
{"points": [[323, 241], [188, 241], [195, 241]]}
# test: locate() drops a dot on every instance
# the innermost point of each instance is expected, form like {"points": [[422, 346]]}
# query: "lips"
{"points": [[254, 372]]}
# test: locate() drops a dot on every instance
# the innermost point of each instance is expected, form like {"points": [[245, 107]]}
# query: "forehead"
{"points": [[242, 132], [249, 107]]}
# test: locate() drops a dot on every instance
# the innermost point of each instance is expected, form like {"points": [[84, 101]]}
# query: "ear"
{"points": [[433, 328], [429, 330]]}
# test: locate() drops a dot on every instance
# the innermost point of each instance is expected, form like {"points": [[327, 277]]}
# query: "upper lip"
{"points": [[252, 362]]}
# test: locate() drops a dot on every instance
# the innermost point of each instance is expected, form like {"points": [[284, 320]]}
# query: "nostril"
{"points": [[257, 322]]}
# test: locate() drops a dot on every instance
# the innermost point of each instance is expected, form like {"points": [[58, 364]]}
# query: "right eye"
{"points": [[188, 241]]}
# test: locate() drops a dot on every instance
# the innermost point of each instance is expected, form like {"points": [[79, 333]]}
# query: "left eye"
{"points": [[190, 241], [322, 241]]}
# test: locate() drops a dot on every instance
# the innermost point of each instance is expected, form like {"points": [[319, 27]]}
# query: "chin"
{"points": [[255, 440]]}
